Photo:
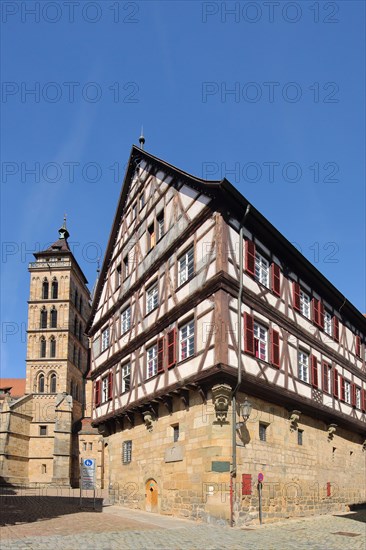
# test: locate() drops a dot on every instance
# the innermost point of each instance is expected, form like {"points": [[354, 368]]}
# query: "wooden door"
{"points": [[151, 494]]}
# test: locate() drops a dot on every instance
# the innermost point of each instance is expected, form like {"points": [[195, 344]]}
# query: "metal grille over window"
{"points": [[126, 452]]}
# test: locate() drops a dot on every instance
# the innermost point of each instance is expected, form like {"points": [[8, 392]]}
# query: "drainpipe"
{"points": [[233, 399]]}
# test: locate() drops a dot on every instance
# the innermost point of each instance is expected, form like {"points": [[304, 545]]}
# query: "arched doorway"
{"points": [[151, 495]]}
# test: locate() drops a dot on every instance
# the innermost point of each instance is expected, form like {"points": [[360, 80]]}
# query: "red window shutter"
{"points": [[276, 279], [249, 346], [343, 392], [358, 346], [110, 385], [321, 321], [314, 371], [353, 394], [328, 489], [296, 295], [160, 354], [97, 393], [335, 328], [363, 400], [250, 257], [172, 347], [246, 482], [275, 348], [335, 383]]}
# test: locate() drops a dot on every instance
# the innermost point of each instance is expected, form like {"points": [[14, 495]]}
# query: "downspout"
{"points": [[233, 399]]}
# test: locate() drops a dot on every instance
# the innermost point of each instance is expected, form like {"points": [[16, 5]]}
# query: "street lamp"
{"points": [[246, 409]]}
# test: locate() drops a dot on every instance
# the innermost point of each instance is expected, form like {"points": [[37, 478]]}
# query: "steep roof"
{"points": [[14, 386], [232, 204]]}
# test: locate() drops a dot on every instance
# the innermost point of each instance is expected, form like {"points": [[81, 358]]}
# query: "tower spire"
{"points": [[63, 232], [141, 138]]}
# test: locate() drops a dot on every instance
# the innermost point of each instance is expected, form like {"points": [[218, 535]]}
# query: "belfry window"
{"points": [[54, 289], [41, 383], [43, 347], [43, 317], [53, 383], [53, 317], [52, 346], [45, 287]]}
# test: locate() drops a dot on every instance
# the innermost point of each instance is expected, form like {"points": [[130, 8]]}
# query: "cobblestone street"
{"points": [[34, 521]]}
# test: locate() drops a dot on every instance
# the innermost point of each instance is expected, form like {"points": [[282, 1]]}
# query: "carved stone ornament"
{"points": [[148, 419], [221, 395], [294, 419], [331, 431]]}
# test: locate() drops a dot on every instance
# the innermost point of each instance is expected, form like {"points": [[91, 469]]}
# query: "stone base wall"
{"points": [[191, 477]]}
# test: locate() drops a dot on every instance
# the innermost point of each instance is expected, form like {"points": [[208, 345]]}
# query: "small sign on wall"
{"points": [[220, 466]]}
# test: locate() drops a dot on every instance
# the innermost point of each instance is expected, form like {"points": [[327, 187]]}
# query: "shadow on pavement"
{"points": [[16, 509], [358, 513]]}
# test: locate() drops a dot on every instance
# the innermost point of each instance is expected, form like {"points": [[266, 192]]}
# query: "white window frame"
{"points": [[329, 378], [261, 336], [125, 374], [186, 340], [152, 361], [358, 398], [104, 395], [328, 329], [347, 392], [125, 320], [303, 366], [305, 304], [261, 269], [159, 226], [105, 339], [186, 266], [152, 298]]}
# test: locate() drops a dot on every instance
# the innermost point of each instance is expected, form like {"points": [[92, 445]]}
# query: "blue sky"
{"points": [[270, 95]]}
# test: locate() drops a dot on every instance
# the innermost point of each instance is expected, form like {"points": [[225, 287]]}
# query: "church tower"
{"points": [[57, 360]]}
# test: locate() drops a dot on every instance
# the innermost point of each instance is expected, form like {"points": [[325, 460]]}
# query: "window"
{"points": [[358, 398], [125, 378], [53, 317], [90, 446], [76, 298], [75, 325], [186, 266], [261, 342], [41, 383], [327, 377], [105, 389], [118, 275], [43, 317], [303, 366], [347, 392], [126, 452], [263, 431], [305, 304], [134, 211], [151, 236], [54, 289], [74, 355], [53, 383], [44, 469], [125, 320], [43, 430], [186, 341], [43, 347], [300, 437], [152, 361], [152, 298], [142, 201], [80, 304], [84, 446], [45, 289], [80, 331], [105, 339], [327, 323], [52, 346], [126, 267], [261, 269], [175, 433], [160, 226], [79, 358]]}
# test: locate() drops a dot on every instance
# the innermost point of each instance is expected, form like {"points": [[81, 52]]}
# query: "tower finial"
{"points": [[141, 138], [63, 232]]}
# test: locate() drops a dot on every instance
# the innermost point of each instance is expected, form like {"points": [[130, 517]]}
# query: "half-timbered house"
{"points": [[219, 352]]}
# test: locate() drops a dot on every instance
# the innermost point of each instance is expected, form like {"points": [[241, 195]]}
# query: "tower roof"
{"points": [[61, 245]]}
